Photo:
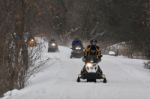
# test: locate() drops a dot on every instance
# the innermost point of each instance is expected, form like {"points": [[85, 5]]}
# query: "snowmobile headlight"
{"points": [[53, 44], [78, 48], [32, 40], [89, 65]]}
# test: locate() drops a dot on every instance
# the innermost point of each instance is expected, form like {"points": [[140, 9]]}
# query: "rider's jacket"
{"points": [[93, 50]]}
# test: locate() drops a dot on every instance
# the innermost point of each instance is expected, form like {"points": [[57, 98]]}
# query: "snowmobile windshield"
{"points": [[76, 42], [92, 59]]}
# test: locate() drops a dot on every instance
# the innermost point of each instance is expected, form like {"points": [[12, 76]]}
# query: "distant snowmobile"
{"points": [[91, 71], [77, 52], [52, 46], [77, 48]]}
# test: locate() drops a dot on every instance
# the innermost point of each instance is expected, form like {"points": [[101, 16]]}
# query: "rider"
{"points": [[76, 42], [93, 50]]}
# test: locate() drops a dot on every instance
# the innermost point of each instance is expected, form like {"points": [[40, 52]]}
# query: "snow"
{"points": [[127, 79]]}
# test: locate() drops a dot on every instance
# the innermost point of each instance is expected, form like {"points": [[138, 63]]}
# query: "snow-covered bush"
{"points": [[35, 60]]}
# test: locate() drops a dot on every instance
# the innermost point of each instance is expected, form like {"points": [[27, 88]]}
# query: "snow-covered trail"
{"points": [[127, 79]]}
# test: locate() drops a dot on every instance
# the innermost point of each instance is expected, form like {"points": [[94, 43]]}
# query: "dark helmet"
{"points": [[52, 39], [93, 42], [76, 39]]}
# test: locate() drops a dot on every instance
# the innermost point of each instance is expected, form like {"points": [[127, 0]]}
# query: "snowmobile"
{"points": [[52, 47], [91, 71], [77, 52]]}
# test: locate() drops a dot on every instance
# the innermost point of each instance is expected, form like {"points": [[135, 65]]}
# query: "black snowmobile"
{"points": [[77, 52], [91, 71], [52, 46]]}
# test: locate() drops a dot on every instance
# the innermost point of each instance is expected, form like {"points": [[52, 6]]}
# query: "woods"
{"points": [[109, 21]]}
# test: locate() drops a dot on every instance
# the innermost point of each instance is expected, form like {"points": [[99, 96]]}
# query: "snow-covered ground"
{"points": [[127, 79]]}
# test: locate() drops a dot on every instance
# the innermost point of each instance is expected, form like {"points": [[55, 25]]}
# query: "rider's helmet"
{"points": [[52, 40], [93, 42]]}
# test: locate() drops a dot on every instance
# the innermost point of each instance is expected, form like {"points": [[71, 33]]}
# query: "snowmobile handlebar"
{"points": [[92, 59]]}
